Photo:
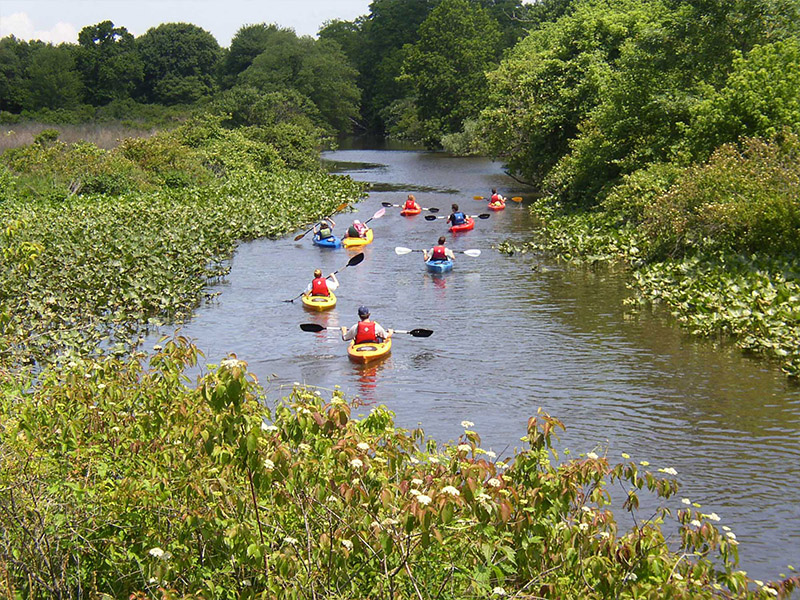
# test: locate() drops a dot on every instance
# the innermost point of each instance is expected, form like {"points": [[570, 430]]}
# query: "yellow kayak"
{"points": [[349, 242], [362, 353], [319, 302]]}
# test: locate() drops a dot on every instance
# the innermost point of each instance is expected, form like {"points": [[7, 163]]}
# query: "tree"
{"points": [[179, 61], [13, 82], [109, 63], [53, 80], [458, 42], [249, 42]]}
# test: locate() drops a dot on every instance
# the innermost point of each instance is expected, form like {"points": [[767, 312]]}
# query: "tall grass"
{"points": [[105, 136]]}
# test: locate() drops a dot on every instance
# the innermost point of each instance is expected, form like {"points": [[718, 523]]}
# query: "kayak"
{"points": [[465, 226], [439, 266], [328, 242], [350, 242], [408, 212], [319, 302], [497, 206], [367, 352]]}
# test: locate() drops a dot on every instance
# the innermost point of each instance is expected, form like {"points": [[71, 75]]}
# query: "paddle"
{"points": [[357, 259], [400, 251], [313, 327], [388, 204], [300, 236], [377, 215], [513, 198], [480, 216]]}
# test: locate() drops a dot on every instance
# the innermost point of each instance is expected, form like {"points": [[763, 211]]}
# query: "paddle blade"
{"points": [[484, 216], [399, 250], [300, 236], [358, 258], [387, 204], [379, 214], [472, 252], [430, 217], [313, 327], [421, 332], [517, 198], [478, 198], [433, 209]]}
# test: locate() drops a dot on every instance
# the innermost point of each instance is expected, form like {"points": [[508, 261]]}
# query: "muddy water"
{"points": [[513, 334]]}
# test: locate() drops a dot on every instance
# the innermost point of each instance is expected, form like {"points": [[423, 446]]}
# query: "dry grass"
{"points": [[103, 136]]}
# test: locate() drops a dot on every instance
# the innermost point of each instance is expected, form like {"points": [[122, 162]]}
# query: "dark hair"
{"points": [[442, 240], [494, 190], [454, 207], [317, 273]]}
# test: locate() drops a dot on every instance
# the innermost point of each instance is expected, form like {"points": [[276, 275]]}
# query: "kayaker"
{"points": [[322, 286], [365, 331], [439, 252], [496, 198], [357, 229], [411, 203], [456, 217], [324, 229]]}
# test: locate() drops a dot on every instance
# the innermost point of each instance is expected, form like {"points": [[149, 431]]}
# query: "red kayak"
{"points": [[408, 212], [465, 226], [497, 206]]}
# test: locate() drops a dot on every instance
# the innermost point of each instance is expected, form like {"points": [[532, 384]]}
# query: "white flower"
{"points": [[771, 591], [267, 427], [491, 454], [332, 499], [450, 490], [414, 492], [725, 528], [467, 424], [413, 460], [605, 534], [677, 576], [152, 580], [713, 516], [669, 471], [731, 535], [630, 577], [388, 522], [356, 463], [482, 497], [686, 501], [464, 447], [363, 446], [423, 499], [268, 464], [500, 465], [347, 544], [498, 591], [156, 552], [494, 482], [583, 526], [317, 393], [231, 363], [696, 523], [592, 455], [295, 384], [586, 509], [758, 582], [733, 542], [290, 540], [416, 481], [433, 459]]}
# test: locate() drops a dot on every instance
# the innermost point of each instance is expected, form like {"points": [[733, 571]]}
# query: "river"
{"points": [[512, 334]]}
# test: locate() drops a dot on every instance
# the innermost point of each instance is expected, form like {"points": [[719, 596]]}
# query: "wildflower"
{"points": [[491, 454], [731, 535], [713, 516], [356, 463], [363, 446], [592, 455], [733, 542], [586, 509], [696, 523], [500, 465], [450, 490], [625, 455], [413, 461], [332, 499], [482, 497], [268, 464], [494, 482], [467, 424], [758, 582], [295, 384], [464, 447], [669, 471], [101, 386], [416, 481], [605, 535], [290, 540], [725, 528], [677, 576], [156, 552], [152, 580], [771, 591], [347, 544], [231, 363], [265, 427], [433, 459], [498, 591], [644, 463], [686, 501], [387, 522], [630, 577], [414, 492], [317, 393], [583, 526], [303, 447], [423, 499]]}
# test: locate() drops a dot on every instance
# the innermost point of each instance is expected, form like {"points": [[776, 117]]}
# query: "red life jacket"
{"points": [[497, 199], [438, 253], [411, 204], [319, 287], [365, 332]]}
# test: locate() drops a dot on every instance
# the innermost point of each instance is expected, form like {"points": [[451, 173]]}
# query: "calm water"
{"points": [[513, 334]]}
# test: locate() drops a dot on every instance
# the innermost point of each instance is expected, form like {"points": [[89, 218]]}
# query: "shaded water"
{"points": [[511, 335]]}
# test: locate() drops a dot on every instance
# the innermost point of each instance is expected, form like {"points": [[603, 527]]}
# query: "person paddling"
{"points": [[365, 331], [439, 252], [322, 286], [411, 203], [357, 229], [324, 229], [496, 199], [456, 217]]}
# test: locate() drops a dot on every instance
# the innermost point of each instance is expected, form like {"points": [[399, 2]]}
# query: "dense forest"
{"points": [[662, 133]]}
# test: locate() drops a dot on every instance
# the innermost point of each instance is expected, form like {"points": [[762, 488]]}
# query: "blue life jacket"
{"points": [[458, 218]]}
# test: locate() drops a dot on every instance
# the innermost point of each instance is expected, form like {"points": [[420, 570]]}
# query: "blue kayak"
{"points": [[328, 242], [439, 266]]}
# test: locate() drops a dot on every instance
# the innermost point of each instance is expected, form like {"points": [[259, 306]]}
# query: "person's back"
{"points": [[456, 217]]}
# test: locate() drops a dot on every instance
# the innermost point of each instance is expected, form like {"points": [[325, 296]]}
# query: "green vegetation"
{"points": [[175, 492]]}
